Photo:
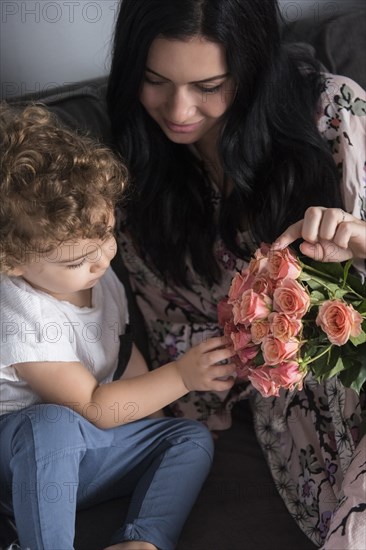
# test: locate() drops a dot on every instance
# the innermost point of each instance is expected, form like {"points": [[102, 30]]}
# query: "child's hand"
{"points": [[199, 366]]}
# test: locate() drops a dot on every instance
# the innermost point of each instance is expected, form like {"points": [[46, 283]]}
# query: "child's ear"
{"points": [[16, 271]]}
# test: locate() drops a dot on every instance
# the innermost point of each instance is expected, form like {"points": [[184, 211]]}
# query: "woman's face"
{"points": [[187, 88]]}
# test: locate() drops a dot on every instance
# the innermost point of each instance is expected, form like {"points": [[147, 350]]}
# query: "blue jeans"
{"points": [[53, 461]]}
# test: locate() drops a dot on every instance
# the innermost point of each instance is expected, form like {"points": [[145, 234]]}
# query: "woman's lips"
{"points": [[182, 128]]}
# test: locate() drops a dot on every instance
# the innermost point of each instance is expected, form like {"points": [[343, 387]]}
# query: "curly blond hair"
{"points": [[55, 185]]}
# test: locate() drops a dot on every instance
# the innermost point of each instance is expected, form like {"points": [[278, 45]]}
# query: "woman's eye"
{"points": [[75, 266], [153, 82], [212, 90]]}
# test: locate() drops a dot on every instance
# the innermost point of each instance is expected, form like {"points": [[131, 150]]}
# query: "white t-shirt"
{"points": [[36, 327]]}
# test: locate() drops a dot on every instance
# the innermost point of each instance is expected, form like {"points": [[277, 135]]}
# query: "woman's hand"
{"points": [[330, 235], [200, 366]]}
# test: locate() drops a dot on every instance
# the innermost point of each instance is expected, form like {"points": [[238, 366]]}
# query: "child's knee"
{"points": [[200, 436], [51, 428]]}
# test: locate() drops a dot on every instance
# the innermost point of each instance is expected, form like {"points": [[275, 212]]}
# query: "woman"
{"points": [[232, 139]]}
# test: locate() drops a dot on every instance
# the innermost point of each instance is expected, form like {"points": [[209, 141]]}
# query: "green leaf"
{"points": [[333, 288], [325, 364], [340, 293], [356, 284], [346, 270], [354, 377], [331, 270], [332, 370], [362, 307], [358, 340], [309, 350], [314, 285], [304, 276], [258, 360], [317, 297]]}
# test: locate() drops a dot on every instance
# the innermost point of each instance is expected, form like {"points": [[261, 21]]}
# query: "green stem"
{"points": [[321, 281], [306, 267], [320, 355]]}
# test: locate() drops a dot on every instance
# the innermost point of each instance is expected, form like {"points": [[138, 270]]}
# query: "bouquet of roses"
{"points": [[286, 318]]}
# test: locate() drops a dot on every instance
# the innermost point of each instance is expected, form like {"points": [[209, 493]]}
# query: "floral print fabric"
{"points": [[309, 438]]}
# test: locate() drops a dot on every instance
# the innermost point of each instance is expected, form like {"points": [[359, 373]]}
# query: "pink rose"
{"points": [[339, 321], [282, 264], [262, 284], [259, 330], [224, 312], [247, 354], [284, 328], [229, 327], [241, 282], [241, 338], [258, 264], [243, 360], [287, 375], [275, 351], [262, 381], [291, 298], [241, 370], [251, 307]]}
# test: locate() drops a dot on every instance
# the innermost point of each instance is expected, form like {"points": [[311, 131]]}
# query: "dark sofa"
{"points": [[239, 507]]}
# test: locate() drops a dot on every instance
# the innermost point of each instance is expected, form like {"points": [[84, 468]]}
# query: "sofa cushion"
{"points": [[81, 106], [339, 42]]}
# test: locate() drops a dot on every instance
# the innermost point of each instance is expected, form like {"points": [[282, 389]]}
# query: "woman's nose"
{"points": [[181, 106]]}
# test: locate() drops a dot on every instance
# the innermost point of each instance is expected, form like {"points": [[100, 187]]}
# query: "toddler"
{"points": [[72, 432]]}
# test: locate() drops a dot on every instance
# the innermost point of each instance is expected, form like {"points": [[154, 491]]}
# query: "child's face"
{"points": [[71, 267]]}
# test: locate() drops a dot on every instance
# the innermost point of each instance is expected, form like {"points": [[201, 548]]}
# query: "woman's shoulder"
{"points": [[341, 110], [341, 121], [344, 94]]}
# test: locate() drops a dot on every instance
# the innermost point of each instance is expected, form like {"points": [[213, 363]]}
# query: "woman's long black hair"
{"points": [[271, 150]]}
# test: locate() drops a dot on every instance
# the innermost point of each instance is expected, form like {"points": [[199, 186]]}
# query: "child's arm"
{"points": [[135, 367], [121, 401]]}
